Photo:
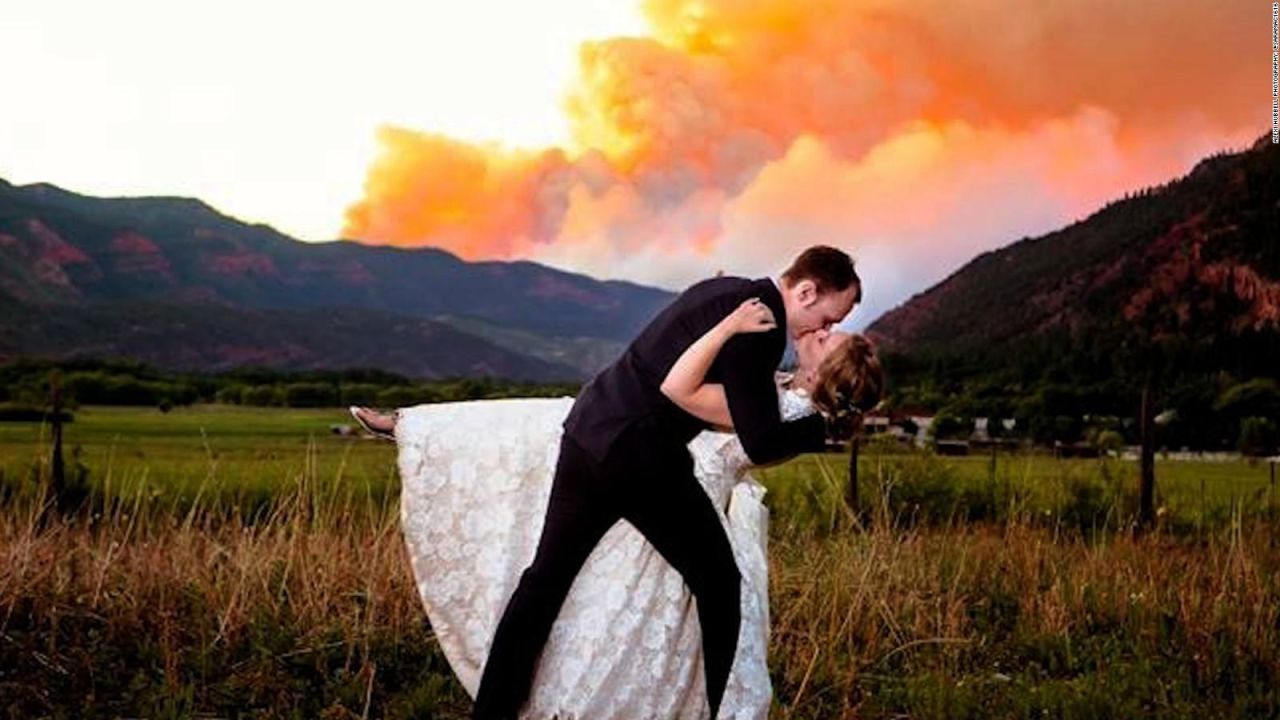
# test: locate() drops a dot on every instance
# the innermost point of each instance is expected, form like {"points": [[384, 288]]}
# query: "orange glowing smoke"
{"points": [[476, 201], [916, 132]]}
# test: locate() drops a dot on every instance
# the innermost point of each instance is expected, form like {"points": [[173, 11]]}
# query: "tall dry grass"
{"points": [[1014, 621], [139, 608]]}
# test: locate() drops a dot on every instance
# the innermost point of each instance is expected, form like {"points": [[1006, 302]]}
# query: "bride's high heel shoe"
{"points": [[384, 434]]}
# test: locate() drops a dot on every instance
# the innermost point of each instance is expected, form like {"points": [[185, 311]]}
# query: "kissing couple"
{"points": [[605, 556]]}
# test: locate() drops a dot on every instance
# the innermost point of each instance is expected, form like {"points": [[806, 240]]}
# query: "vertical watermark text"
{"points": [[1275, 78]]}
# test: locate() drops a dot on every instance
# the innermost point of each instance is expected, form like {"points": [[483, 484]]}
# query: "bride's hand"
{"points": [[752, 316]]}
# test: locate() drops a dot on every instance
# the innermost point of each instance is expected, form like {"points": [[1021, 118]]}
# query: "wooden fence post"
{"points": [[851, 491]]}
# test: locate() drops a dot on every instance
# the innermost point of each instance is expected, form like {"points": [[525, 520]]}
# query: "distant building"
{"points": [[921, 419], [909, 424], [875, 423], [980, 430], [981, 438]]}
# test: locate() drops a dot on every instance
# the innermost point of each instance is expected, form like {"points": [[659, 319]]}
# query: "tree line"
{"points": [[24, 387]]}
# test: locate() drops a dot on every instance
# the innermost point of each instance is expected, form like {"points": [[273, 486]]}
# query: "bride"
{"points": [[475, 481]]}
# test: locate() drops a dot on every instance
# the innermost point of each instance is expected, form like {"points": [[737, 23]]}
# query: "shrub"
{"points": [[262, 395], [230, 394], [1109, 440], [945, 426], [359, 393], [310, 394], [407, 395], [1258, 436]]}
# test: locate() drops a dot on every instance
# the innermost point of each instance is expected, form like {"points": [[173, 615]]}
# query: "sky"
{"points": [[657, 141], [269, 110]]}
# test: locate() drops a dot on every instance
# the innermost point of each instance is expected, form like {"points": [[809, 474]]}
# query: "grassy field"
{"points": [[228, 450], [246, 455], [248, 563], [1030, 488]]}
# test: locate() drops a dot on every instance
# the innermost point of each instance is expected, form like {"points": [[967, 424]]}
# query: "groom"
{"points": [[624, 456]]}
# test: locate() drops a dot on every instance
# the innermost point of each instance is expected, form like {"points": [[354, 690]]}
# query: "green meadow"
{"points": [[246, 455]]}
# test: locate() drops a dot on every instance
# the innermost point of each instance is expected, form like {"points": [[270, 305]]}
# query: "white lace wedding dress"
{"points": [[476, 477]]}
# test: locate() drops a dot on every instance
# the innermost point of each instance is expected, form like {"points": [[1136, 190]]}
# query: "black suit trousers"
{"points": [[646, 479]]}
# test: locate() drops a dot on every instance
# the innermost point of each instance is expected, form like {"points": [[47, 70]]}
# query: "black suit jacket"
{"points": [[627, 392]]}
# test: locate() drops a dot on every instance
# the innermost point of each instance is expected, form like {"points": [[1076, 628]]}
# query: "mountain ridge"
{"points": [[70, 253], [1221, 217]]}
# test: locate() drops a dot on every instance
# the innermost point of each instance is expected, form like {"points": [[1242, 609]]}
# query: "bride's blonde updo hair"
{"points": [[850, 380]]}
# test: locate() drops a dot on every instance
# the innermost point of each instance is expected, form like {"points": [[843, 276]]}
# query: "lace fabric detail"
{"points": [[476, 477], [794, 404]]}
